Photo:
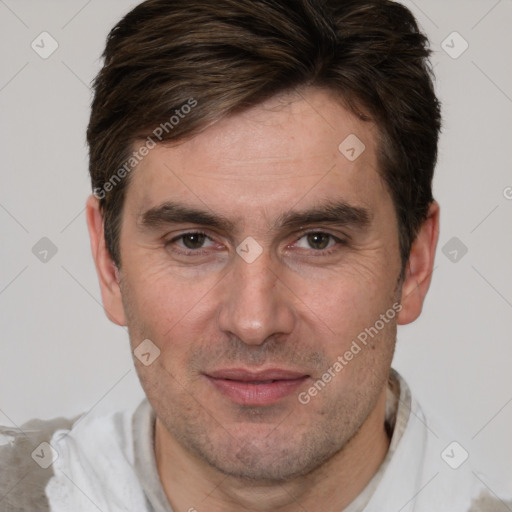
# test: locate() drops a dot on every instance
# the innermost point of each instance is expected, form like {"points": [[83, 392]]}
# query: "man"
{"points": [[262, 220]]}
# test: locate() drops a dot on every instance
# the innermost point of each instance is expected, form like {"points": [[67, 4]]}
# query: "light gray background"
{"points": [[59, 355]]}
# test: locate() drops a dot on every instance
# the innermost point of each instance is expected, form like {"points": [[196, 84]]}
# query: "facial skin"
{"points": [[296, 307]]}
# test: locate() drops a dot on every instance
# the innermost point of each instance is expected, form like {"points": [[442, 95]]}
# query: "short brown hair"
{"points": [[225, 56]]}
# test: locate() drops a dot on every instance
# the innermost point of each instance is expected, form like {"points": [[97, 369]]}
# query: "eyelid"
{"points": [[172, 245], [341, 237], [339, 242], [188, 232]]}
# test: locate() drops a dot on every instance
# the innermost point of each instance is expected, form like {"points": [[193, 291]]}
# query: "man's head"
{"points": [[264, 172], [223, 57]]}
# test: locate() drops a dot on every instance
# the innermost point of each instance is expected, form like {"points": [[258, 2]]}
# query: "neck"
{"points": [[191, 484]]}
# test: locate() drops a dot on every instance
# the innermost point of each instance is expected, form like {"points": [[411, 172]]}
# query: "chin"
{"points": [[267, 458]]}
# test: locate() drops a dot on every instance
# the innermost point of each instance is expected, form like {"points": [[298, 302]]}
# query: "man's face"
{"points": [[243, 334]]}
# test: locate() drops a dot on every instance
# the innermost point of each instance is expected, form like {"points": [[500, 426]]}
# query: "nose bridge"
{"points": [[254, 305], [257, 280]]}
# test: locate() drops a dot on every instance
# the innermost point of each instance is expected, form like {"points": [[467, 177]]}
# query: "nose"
{"points": [[256, 304]]}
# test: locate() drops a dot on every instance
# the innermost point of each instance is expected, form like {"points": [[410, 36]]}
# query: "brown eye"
{"points": [[193, 240], [318, 241]]}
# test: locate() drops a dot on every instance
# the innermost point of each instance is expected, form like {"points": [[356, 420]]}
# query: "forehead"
{"points": [[295, 148]]}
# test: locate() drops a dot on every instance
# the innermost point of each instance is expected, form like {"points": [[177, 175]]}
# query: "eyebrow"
{"points": [[338, 213], [175, 213]]}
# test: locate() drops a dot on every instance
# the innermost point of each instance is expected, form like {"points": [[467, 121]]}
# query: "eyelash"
{"points": [[189, 252], [198, 252], [339, 242]]}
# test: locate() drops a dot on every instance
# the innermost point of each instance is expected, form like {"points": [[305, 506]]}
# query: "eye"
{"points": [[318, 241], [192, 241]]}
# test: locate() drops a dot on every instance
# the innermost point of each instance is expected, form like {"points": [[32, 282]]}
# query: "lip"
{"points": [[265, 387]]}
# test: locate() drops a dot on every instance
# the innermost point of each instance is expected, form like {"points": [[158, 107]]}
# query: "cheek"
{"points": [[345, 300], [162, 295], [176, 314]]}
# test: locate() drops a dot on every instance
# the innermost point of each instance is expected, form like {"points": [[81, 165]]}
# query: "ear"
{"points": [[108, 273], [419, 267]]}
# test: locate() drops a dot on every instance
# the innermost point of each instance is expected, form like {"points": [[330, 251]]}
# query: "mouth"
{"points": [[256, 388]]}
